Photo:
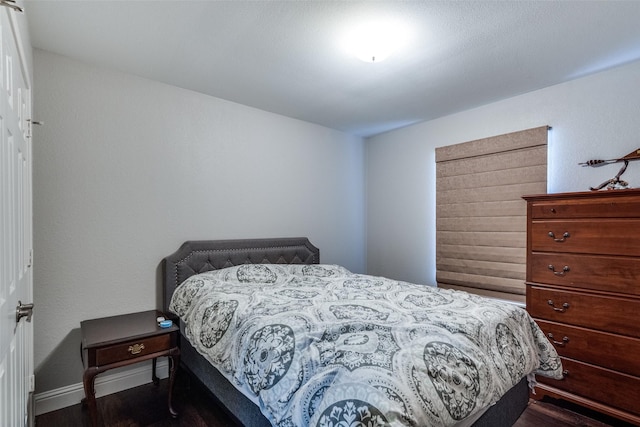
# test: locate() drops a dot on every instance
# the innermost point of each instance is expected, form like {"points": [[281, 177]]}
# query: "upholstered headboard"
{"points": [[198, 256]]}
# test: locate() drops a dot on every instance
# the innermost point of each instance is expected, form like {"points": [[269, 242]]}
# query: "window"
{"points": [[480, 214]]}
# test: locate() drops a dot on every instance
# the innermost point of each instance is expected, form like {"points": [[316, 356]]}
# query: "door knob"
{"points": [[24, 310]]}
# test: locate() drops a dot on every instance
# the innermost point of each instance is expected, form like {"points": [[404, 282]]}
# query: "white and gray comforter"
{"points": [[316, 345]]}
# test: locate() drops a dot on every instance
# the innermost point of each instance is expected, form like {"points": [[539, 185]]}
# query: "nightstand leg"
{"points": [[154, 377], [174, 360], [88, 380]]}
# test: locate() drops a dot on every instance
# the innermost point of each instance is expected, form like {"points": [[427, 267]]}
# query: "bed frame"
{"points": [[195, 257]]}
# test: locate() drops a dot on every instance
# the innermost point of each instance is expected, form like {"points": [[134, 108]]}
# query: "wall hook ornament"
{"points": [[11, 4], [615, 182]]}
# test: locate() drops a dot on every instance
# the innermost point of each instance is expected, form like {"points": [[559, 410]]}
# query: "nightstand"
{"points": [[116, 341]]}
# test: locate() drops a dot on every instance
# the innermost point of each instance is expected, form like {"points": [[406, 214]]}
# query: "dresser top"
{"points": [[628, 192]]}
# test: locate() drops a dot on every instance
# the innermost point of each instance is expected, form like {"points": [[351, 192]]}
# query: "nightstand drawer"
{"points": [[605, 313], [132, 349], [602, 385]]}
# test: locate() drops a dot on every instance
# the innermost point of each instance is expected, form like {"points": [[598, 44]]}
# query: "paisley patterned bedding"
{"points": [[316, 345]]}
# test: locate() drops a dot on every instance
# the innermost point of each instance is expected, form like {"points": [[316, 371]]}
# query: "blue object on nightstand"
{"points": [[166, 324]]}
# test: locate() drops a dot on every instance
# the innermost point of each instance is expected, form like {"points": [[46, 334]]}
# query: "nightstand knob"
{"points": [[136, 348]]}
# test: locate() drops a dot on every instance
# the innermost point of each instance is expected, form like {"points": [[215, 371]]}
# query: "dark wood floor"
{"points": [[147, 406], [562, 414]]}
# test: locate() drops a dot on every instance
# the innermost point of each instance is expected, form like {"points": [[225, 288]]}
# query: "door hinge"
{"points": [[30, 263], [30, 123], [32, 383]]}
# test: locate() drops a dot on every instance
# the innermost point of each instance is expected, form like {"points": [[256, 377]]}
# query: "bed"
{"points": [[235, 270]]}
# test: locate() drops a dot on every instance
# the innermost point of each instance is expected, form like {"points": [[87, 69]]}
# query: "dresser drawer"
{"points": [[602, 385], [605, 313], [604, 273], [132, 349], [595, 207], [607, 350], [609, 237]]}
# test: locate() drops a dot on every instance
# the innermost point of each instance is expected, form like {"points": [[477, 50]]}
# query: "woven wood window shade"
{"points": [[480, 216]]}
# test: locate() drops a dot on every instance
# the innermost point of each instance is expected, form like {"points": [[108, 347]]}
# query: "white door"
{"points": [[16, 283]]}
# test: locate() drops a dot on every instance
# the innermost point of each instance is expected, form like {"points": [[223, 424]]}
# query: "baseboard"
{"points": [[105, 384]]}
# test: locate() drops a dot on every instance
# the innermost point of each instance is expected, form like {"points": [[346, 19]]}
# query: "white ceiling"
{"points": [[286, 56]]}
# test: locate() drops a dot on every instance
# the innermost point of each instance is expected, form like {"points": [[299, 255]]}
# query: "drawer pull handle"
{"points": [[136, 348], [562, 343], [564, 237], [565, 373], [559, 273], [564, 308]]}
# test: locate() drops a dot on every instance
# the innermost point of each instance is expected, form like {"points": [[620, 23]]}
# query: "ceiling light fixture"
{"points": [[374, 41]]}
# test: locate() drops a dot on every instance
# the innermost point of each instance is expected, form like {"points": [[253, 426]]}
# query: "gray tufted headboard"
{"points": [[198, 256]]}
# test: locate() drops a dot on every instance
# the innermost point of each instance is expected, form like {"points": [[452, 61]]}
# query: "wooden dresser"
{"points": [[583, 289]]}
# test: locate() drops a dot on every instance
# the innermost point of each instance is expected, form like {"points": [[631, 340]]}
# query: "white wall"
{"points": [[127, 169], [592, 117]]}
